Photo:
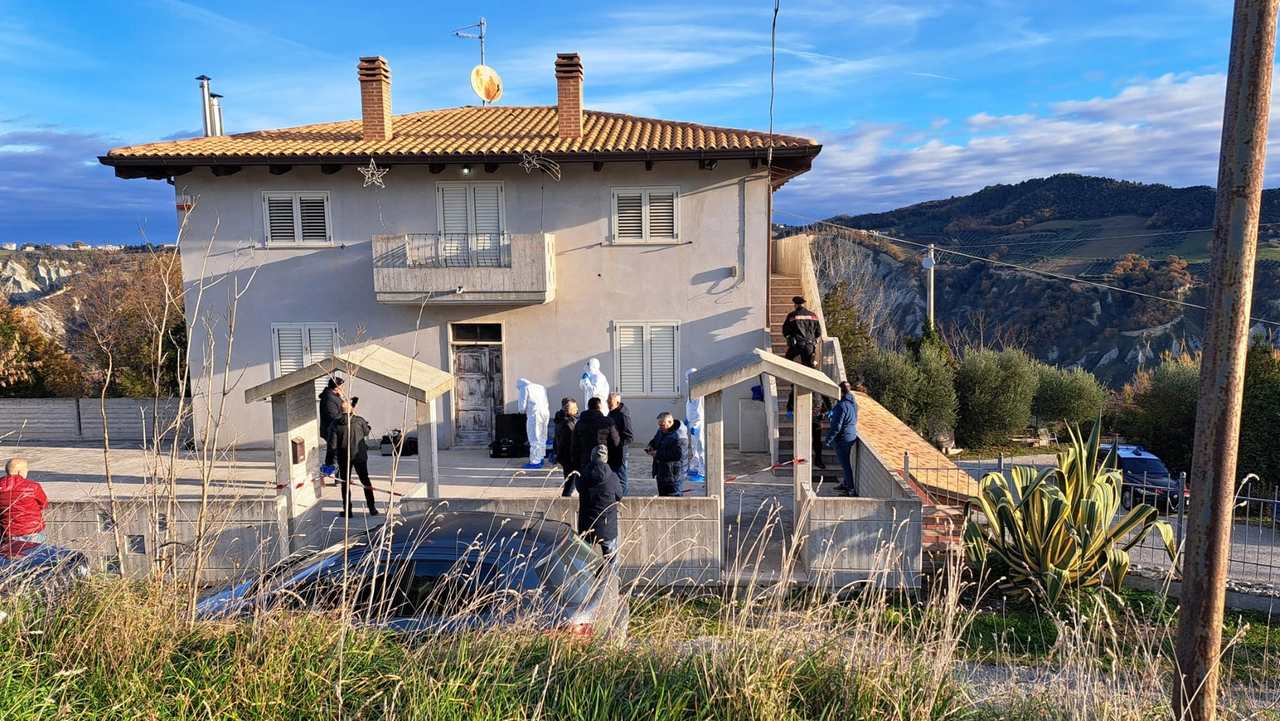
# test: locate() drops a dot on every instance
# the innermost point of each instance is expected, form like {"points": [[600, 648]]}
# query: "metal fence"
{"points": [[1255, 533], [458, 250]]}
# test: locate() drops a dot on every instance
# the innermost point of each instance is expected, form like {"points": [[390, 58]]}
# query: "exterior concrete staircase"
{"points": [[781, 289]]}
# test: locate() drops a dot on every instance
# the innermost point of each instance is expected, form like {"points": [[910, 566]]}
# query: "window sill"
{"points": [[650, 242], [286, 246]]}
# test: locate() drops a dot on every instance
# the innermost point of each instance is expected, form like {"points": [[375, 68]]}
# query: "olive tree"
{"points": [[994, 390]]}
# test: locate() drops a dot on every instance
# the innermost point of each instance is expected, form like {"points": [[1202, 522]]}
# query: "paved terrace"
{"points": [[758, 508]]}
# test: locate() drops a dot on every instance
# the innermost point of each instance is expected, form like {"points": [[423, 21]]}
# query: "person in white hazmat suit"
{"points": [[697, 441], [593, 383], [533, 403]]}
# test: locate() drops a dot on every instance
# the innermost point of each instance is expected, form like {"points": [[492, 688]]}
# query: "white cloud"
{"points": [[1162, 130]]}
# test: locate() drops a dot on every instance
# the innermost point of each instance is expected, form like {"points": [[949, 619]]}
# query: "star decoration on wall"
{"points": [[537, 162], [373, 174]]}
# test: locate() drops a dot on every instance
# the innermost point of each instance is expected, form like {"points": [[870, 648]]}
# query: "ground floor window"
{"points": [[647, 357], [298, 345]]}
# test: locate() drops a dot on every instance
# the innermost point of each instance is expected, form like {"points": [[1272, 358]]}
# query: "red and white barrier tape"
{"points": [[774, 467], [282, 486]]}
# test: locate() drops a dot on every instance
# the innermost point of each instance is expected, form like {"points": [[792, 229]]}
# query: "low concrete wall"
{"points": [[874, 477], [856, 540], [663, 541], [875, 538], [70, 420], [243, 534], [39, 419]]}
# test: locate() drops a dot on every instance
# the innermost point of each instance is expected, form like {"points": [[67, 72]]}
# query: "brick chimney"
{"points": [[375, 97], [568, 95]]}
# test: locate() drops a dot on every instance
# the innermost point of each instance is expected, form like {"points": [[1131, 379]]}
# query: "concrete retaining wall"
{"points": [[663, 541], [243, 534], [70, 420], [874, 538], [853, 540], [874, 477]]}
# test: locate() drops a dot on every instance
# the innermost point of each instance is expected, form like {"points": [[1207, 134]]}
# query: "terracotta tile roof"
{"points": [[943, 480], [458, 133]]}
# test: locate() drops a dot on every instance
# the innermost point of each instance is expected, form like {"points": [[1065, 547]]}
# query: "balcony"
{"points": [[464, 269]]}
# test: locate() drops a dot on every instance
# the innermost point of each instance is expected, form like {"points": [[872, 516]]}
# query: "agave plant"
{"points": [[1054, 531]]}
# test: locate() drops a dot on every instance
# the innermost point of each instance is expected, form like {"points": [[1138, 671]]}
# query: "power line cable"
{"points": [[1015, 266], [996, 244]]}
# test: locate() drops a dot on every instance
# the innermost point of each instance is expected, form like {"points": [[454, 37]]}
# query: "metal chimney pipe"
{"points": [[205, 103], [215, 110]]}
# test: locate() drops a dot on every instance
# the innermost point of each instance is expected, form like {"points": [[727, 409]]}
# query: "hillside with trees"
{"points": [[1011, 208], [1077, 272], [88, 323]]}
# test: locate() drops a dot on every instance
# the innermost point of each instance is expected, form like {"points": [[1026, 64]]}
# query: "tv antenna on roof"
{"points": [[484, 81]]}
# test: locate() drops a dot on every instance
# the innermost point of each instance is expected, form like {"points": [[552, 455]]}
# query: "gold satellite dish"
{"points": [[486, 83]]}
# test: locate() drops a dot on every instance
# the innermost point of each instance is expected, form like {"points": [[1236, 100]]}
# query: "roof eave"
{"points": [[808, 151]]}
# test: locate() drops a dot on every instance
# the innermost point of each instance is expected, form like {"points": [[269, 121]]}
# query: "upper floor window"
{"points": [[646, 215], [471, 208], [298, 217], [472, 222]]}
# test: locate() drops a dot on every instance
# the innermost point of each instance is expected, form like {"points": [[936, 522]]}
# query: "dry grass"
{"points": [[117, 649]]}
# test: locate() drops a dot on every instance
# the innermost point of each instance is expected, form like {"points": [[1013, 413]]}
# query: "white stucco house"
{"points": [[504, 243]]}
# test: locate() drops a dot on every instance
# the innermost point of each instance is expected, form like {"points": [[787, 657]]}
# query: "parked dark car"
{"points": [[1147, 480], [440, 572], [40, 568]]}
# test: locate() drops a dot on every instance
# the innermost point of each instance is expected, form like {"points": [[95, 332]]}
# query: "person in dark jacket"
{"points": [[668, 449], [802, 329], [562, 443], [599, 492], [844, 434], [346, 439], [330, 408], [821, 406], [22, 505], [593, 429], [620, 457]]}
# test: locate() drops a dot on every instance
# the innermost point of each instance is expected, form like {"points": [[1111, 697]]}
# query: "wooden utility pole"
{"points": [[1213, 469]]}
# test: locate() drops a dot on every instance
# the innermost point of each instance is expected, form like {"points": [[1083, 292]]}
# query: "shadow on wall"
{"points": [[720, 280], [705, 333]]}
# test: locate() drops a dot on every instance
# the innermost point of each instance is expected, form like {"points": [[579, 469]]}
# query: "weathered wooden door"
{"points": [[477, 392]]}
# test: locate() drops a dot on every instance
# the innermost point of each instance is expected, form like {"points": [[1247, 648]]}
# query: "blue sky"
{"points": [[913, 100]]}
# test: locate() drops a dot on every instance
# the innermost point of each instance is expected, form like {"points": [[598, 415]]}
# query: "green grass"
{"points": [[1009, 451]]}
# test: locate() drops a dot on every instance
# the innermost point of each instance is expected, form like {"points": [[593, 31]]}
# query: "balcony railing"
{"points": [[458, 250], [464, 269]]}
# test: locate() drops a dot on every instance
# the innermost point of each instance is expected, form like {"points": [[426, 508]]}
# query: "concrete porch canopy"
{"points": [[711, 381], [293, 412]]}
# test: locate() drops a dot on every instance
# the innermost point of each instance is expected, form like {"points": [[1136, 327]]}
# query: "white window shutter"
{"points": [[488, 205], [662, 359], [662, 215], [628, 212], [453, 209], [320, 345], [487, 211], [290, 349], [630, 341], [280, 219], [314, 213]]}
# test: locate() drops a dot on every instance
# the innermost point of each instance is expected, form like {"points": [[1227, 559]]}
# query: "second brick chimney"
{"points": [[375, 97], [568, 96]]}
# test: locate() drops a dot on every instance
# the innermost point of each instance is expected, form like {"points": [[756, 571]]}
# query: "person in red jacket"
{"points": [[22, 505]]}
